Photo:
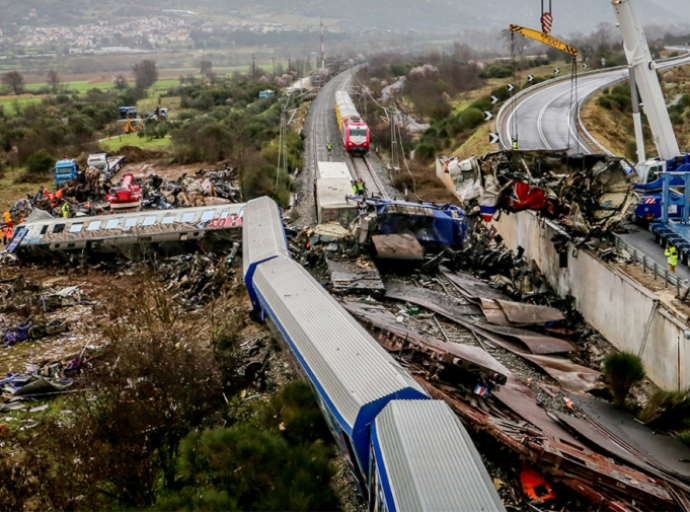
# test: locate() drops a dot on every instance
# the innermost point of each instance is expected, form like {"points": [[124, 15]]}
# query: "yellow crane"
{"points": [[544, 38]]}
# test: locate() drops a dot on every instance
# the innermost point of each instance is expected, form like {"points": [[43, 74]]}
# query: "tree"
{"points": [[53, 80], [41, 162], [14, 80], [145, 73], [206, 67], [120, 82]]}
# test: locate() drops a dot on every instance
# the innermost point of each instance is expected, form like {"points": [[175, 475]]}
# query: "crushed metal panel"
{"points": [[529, 314], [536, 342], [379, 317], [600, 439], [520, 399], [571, 376], [451, 309], [351, 275], [664, 452], [440, 303], [493, 312], [398, 247], [472, 287]]}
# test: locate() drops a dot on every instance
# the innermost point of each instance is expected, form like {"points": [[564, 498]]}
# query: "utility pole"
{"points": [[323, 53], [273, 61], [253, 66]]}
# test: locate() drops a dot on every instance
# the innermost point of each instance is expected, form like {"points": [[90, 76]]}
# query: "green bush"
{"points": [[41, 162], [496, 71], [245, 468], [622, 370], [604, 102], [425, 152]]}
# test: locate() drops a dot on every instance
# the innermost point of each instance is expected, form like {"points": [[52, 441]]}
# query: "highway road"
{"points": [[548, 119]]}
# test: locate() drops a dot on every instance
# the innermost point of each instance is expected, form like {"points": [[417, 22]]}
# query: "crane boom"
{"points": [[544, 38], [644, 69]]}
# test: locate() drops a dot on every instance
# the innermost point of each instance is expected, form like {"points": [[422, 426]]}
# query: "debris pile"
{"points": [[586, 194], [196, 278], [205, 188], [515, 367], [88, 194]]}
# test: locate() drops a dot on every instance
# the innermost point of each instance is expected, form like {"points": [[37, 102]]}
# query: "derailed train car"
{"points": [[354, 380]]}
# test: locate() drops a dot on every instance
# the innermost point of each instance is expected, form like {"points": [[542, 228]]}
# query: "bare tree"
{"points": [[145, 73], [53, 80], [521, 42], [120, 82], [14, 80], [206, 67]]}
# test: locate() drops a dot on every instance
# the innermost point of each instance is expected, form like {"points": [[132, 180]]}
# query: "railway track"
{"points": [[364, 171]]}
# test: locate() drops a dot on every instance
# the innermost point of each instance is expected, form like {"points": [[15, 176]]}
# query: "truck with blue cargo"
{"points": [[65, 170]]}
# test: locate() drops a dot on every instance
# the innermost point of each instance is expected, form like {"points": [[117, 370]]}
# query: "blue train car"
{"points": [[353, 377], [263, 238], [423, 459]]}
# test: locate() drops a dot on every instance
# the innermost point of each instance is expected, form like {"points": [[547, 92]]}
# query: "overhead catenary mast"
{"points": [[323, 54]]}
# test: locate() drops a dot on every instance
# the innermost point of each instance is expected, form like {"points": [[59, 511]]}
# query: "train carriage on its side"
{"points": [[354, 131], [407, 451]]}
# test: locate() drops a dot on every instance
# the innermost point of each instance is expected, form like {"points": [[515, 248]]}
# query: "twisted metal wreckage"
{"points": [[586, 194], [596, 450]]}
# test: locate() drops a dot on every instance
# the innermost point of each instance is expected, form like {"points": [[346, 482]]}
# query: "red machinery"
{"points": [[354, 130], [127, 195]]}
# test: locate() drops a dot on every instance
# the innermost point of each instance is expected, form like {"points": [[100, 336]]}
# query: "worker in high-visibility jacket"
{"points": [[515, 144], [65, 210], [7, 217], [671, 254]]}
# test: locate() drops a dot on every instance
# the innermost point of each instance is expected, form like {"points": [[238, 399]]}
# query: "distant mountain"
{"points": [[443, 16]]}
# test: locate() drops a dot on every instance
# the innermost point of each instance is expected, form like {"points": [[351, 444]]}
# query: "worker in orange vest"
{"points": [[4, 235], [10, 233]]}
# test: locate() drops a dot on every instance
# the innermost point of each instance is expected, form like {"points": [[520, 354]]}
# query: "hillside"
{"points": [[430, 15]]}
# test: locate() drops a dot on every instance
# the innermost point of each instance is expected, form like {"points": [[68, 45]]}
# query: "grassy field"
{"points": [[8, 103], [11, 192], [132, 139]]}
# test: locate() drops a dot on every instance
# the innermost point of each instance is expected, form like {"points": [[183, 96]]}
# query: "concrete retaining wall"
{"points": [[614, 304]]}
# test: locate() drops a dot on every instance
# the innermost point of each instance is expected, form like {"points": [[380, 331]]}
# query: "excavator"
{"points": [[133, 125]]}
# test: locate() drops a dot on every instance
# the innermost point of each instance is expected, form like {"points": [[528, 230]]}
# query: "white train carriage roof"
{"points": [[342, 359], [429, 459], [130, 225], [331, 170], [263, 236]]}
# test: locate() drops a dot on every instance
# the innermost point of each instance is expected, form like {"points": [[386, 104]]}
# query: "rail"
{"points": [[372, 176], [658, 271]]}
